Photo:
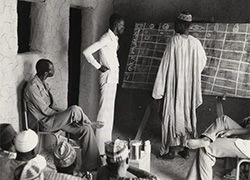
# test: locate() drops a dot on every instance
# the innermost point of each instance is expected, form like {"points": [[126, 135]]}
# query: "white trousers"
{"points": [[106, 114]]}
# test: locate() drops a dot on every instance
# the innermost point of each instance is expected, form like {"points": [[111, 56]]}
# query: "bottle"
{"points": [[147, 146]]}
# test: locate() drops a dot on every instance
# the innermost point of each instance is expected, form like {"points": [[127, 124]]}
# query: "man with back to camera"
{"points": [[178, 82], [42, 110], [109, 76], [118, 164]]}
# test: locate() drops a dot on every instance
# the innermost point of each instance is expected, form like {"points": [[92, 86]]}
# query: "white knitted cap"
{"points": [[26, 140], [116, 151], [184, 16]]}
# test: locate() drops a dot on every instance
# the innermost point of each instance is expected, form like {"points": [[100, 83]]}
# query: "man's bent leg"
{"points": [[201, 168], [210, 135], [64, 118], [205, 160], [221, 123]]}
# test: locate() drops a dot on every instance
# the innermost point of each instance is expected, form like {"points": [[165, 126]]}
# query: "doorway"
{"points": [[74, 53]]}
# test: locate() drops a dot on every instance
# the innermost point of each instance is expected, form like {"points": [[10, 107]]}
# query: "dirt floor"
{"points": [[129, 112], [175, 169]]}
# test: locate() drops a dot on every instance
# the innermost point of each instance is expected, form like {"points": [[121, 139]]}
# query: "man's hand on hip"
{"points": [[103, 68]]}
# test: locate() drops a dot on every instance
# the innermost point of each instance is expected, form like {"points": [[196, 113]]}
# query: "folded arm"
{"points": [[38, 102]]}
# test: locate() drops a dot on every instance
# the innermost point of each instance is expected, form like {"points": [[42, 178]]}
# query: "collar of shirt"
{"points": [[112, 35], [46, 85]]}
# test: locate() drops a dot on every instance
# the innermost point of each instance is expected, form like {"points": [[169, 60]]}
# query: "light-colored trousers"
{"points": [[106, 114], [205, 159]]}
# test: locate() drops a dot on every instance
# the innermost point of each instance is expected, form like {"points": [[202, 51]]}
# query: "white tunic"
{"points": [[179, 81]]}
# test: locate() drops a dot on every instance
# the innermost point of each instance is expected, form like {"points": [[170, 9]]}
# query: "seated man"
{"points": [[25, 144], [118, 165], [7, 149], [215, 144], [7, 136], [42, 110]]}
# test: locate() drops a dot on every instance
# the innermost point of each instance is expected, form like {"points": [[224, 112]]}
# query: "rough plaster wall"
{"points": [[8, 63], [95, 23], [49, 39]]}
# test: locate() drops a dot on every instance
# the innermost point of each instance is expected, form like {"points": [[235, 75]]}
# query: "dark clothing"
{"points": [[105, 174]]}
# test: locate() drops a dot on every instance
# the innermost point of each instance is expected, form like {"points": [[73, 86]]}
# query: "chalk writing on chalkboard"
{"points": [[227, 47]]}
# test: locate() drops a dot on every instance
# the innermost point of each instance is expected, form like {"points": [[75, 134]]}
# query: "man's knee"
{"points": [[75, 108], [86, 130], [223, 118]]}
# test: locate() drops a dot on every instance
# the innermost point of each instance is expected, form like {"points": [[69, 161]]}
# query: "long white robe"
{"points": [[179, 81]]}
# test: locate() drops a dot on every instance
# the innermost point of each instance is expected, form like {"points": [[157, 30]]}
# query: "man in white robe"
{"points": [[178, 81]]}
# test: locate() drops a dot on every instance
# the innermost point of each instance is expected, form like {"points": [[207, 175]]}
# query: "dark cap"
{"points": [[7, 134]]}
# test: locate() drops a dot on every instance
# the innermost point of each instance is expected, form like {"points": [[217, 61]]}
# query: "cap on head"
{"points": [[185, 16], [7, 134], [26, 141], [65, 155], [33, 169], [116, 151]]}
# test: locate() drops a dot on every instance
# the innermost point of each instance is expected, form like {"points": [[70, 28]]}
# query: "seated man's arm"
{"points": [[230, 132], [38, 102], [141, 174]]}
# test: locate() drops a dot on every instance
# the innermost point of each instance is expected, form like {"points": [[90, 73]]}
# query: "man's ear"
{"points": [[46, 74]]}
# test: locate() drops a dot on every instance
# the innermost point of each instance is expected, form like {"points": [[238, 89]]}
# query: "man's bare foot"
{"points": [[197, 143], [97, 124]]}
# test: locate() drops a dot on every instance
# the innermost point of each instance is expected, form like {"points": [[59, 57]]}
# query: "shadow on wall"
{"points": [[20, 92]]}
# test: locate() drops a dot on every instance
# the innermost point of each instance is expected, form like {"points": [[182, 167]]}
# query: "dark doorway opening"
{"points": [[74, 53], [23, 26]]}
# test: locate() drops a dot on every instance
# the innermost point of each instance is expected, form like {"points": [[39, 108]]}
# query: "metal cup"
{"points": [[135, 149]]}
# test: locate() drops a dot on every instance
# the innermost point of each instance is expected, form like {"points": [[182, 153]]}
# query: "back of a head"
{"points": [[185, 19], [116, 152], [26, 141], [42, 66], [114, 18], [7, 135], [31, 170], [65, 158]]}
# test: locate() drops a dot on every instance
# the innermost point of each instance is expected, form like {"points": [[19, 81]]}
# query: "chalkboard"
{"points": [[227, 47]]}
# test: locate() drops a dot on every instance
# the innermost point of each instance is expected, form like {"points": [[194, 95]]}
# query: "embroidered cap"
{"points": [[65, 155], [33, 169], [7, 134], [26, 141], [116, 151], [185, 16]]}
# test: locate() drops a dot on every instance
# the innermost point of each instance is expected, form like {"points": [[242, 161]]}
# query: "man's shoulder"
{"points": [[33, 83], [105, 36], [194, 39]]}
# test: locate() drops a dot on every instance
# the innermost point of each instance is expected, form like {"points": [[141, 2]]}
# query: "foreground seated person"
{"points": [[118, 165], [7, 148], [42, 110], [33, 169], [25, 144], [215, 144], [7, 136], [66, 161]]}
